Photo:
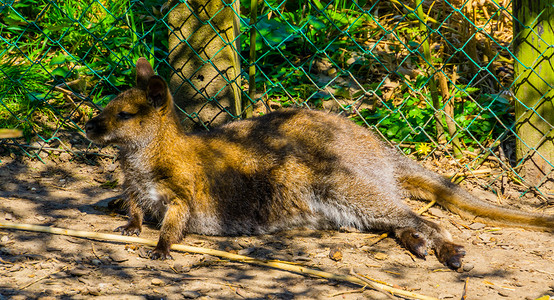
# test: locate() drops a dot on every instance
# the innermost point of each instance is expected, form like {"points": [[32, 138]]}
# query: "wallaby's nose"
{"points": [[90, 126]]}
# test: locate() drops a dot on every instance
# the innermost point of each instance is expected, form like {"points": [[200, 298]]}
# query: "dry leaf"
{"points": [[335, 254]]}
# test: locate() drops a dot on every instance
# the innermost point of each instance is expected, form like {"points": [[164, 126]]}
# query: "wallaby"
{"points": [[288, 168]]}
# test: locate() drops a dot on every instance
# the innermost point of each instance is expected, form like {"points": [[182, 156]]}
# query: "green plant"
{"points": [[22, 95], [480, 121], [302, 32], [50, 43]]}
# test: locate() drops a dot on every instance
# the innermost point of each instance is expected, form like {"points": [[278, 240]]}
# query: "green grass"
{"points": [[22, 95], [47, 43]]}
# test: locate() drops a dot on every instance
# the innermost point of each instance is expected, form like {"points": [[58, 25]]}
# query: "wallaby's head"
{"points": [[136, 115]]}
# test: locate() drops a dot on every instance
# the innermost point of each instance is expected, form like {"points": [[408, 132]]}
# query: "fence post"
{"points": [[533, 87], [206, 80]]}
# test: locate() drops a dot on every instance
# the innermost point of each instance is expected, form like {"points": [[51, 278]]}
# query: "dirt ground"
{"points": [[74, 193]]}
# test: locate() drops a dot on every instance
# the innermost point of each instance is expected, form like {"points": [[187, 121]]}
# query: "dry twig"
{"points": [[380, 238], [10, 133], [348, 292], [426, 207], [464, 294]]}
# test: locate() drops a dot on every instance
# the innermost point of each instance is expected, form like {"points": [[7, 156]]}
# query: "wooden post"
{"points": [[206, 80], [533, 88]]}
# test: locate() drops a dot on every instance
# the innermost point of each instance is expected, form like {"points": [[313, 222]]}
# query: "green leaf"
{"points": [[343, 93], [60, 59], [60, 71], [35, 97], [391, 132], [317, 24], [413, 44]]}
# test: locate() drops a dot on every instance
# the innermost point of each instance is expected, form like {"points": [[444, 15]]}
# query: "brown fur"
{"points": [[288, 168]]}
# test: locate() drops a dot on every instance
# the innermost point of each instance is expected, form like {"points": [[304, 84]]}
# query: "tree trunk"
{"points": [[533, 87], [206, 78]]}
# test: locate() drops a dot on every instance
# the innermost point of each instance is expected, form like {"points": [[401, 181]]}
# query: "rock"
{"points": [[180, 268], [96, 262], [477, 226], [301, 258], [79, 271], [247, 251], [437, 212], [65, 157], [465, 235], [485, 237], [191, 294], [4, 239], [16, 268], [381, 256], [94, 291], [112, 167], [157, 282], [8, 216], [43, 154], [117, 257], [468, 267]]}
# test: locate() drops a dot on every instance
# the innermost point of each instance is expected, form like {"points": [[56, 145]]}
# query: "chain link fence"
{"points": [[435, 78]]}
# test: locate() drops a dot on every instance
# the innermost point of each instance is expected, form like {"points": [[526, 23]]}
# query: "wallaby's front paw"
{"points": [[413, 241], [129, 229], [450, 254], [162, 254]]}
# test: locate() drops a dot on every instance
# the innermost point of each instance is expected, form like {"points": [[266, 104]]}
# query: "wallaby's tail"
{"points": [[424, 184]]}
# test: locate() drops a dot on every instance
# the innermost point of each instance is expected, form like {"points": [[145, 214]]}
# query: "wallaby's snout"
{"points": [[91, 127]]}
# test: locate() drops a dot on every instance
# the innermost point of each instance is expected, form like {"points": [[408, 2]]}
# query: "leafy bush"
{"points": [[293, 36], [412, 120], [53, 42]]}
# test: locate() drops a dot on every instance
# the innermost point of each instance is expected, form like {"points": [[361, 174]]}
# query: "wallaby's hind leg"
{"points": [[428, 234], [413, 231]]}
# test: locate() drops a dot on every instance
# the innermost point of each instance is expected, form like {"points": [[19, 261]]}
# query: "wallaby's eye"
{"points": [[123, 115]]}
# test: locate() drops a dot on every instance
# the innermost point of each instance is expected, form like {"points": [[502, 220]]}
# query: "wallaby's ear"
{"points": [[144, 72], [157, 92]]}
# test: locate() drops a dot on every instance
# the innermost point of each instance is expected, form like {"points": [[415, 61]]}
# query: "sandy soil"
{"points": [[74, 193]]}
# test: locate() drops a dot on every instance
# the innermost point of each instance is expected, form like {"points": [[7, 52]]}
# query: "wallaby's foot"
{"points": [[160, 253], [129, 229], [413, 241], [450, 254]]}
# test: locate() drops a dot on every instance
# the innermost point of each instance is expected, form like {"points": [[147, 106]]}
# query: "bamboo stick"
{"points": [[281, 265]]}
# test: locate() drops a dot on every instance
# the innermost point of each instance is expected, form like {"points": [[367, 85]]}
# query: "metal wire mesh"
{"points": [[430, 76]]}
